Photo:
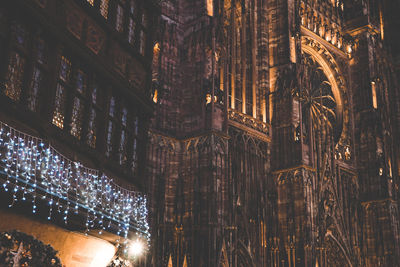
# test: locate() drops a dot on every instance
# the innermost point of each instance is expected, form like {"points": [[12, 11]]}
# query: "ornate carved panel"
{"points": [[95, 37], [74, 19]]}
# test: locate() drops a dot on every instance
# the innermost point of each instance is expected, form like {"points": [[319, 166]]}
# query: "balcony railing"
{"points": [[250, 122]]}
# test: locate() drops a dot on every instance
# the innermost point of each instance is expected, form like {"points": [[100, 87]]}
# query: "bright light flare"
{"points": [[136, 248]]}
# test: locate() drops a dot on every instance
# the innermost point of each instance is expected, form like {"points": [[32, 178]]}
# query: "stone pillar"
{"points": [[289, 173], [381, 227]]}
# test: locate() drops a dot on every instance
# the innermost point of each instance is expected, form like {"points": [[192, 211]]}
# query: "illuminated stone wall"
{"points": [[281, 146]]}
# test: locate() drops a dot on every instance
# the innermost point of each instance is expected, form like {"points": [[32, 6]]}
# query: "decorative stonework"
{"points": [[163, 141], [327, 56], [75, 19], [136, 74], [343, 153], [300, 174], [325, 22], [339, 87], [120, 59], [250, 122], [95, 37]]}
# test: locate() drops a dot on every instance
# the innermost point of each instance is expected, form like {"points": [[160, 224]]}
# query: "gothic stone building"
{"points": [[275, 140], [75, 80]]}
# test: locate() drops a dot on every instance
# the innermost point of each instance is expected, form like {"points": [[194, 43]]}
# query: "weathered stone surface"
{"points": [[276, 137]]}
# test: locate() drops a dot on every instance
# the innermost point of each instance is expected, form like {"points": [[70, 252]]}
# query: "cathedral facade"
{"points": [[275, 140]]}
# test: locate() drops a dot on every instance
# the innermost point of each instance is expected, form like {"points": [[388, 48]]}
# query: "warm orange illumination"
{"points": [[374, 98], [221, 79], [328, 36], [185, 262], [156, 48], [292, 44], [58, 119], [382, 25], [339, 43], [156, 57], [263, 234], [104, 8], [208, 99], [170, 261], [349, 50], [210, 8], [155, 97]]}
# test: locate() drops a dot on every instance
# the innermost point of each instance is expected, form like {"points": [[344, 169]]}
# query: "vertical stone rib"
{"points": [[243, 54], [233, 58], [262, 23], [254, 55]]}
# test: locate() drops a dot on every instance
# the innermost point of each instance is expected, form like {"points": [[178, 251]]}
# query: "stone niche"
{"points": [[74, 249]]}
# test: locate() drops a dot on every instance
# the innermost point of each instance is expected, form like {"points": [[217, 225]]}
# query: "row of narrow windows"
{"points": [[81, 106], [128, 16]]}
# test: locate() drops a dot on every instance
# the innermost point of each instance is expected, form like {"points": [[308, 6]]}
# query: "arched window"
{"points": [[131, 24], [123, 136], [78, 103], [60, 96], [17, 63], [143, 32], [119, 16], [104, 8], [135, 136], [110, 127], [38, 73], [94, 110]]}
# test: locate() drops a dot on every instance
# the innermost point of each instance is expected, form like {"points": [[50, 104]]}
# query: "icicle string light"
{"points": [[33, 167]]}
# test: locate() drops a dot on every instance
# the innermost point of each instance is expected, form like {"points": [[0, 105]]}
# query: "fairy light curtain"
{"points": [[29, 166]]}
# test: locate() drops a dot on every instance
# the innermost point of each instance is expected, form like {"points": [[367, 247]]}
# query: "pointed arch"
{"points": [[337, 255], [223, 258], [244, 257], [170, 261], [332, 71], [185, 264]]}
